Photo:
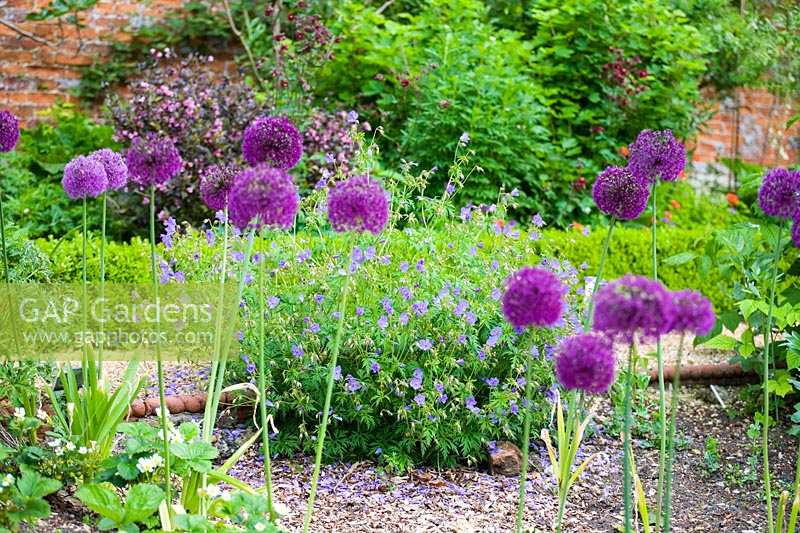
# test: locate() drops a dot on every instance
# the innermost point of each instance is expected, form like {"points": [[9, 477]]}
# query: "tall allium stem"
{"points": [[223, 356], [7, 279], [567, 452], [262, 387], [765, 370], [159, 362], [323, 426], [673, 415], [87, 367], [525, 445], [599, 278], [662, 396], [626, 444], [6, 273], [208, 416], [102, 280]]}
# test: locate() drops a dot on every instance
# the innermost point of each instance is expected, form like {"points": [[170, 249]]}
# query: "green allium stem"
{"points": [[159, 361], [566, 456], [526, 444], [599, 278], [662, 395], [767, 344], [6, 272], [626, 445], [223, 356], [326, 406], [673, 415], [262, 387], [102, 279], [7, 278], [208, 421]]}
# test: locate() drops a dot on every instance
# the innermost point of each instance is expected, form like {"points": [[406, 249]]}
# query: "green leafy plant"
{"points": [[141, 503], [22, 499], [711, 458]]}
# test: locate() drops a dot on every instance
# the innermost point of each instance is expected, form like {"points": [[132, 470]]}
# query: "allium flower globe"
{"points": [[586, 362], [264, 196], [656, 154], [693, 313], [153, 160], [796, 233], [619, 194], [84, 177], [9, 131], [216, 185], [779, 193], [358, 204], [272, 140], [633, 305], [533, 297], [114, 165]]}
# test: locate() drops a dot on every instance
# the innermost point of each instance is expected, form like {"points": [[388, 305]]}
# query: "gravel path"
{"points": [[708, 495]]}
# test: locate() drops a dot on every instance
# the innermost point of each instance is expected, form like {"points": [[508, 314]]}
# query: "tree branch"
{"points": [[246, 47], [10, 25]]}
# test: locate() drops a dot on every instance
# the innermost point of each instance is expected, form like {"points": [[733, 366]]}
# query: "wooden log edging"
{"points": [[709, 374]]}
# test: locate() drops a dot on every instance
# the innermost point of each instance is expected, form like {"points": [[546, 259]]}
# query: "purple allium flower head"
{"points": [[358, 204], [586, 362], [216, 184], [9, 131], [619, 194], [693, 313], [84, 177], [656, 154], [780, 193], [272, 140], [114, 165], [533, 297], [153, 160], [633, 304], [796, 232], [263, 195]]}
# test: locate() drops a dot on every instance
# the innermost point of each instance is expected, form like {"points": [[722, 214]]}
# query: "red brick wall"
{"points": [[33, 76], [763, 138]]}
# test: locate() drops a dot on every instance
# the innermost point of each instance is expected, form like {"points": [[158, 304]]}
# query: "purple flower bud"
{"points": [[274, 141]]}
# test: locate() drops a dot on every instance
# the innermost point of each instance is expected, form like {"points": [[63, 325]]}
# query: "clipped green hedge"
{"points": [[630, 252], [125, 262]]}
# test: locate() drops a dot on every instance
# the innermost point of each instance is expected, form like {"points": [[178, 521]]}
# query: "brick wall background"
{"points": [[33, 76], [762, 134]]}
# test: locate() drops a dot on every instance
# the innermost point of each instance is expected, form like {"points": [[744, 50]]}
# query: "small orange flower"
{"points": [[682, 175], [623, 150], [733, 199], [500, 223], [577, 226], [675, 204], [668, 215]]}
